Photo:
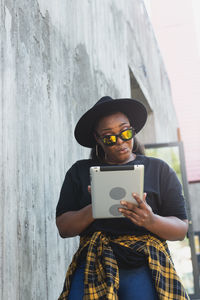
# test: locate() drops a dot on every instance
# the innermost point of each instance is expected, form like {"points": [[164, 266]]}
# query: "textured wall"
{"points": [[194, 192], [56, 61]]}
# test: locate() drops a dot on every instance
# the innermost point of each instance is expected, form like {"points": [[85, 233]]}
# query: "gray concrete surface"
{"points": [[194, 196]]}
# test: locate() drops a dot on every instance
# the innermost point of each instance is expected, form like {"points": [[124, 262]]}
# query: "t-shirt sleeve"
{"points": [[69, 194], [173, 202]]}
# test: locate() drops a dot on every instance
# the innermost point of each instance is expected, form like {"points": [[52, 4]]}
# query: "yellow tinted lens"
{"points": [[113, 138], [127, 134], [110, 139]]}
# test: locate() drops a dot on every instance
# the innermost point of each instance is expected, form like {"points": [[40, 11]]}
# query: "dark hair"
{"points": [[98, 154]]}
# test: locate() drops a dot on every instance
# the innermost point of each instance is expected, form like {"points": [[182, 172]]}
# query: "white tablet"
{"points": [[111, 184]]}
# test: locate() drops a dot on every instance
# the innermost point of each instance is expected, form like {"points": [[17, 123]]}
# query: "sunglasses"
{"points": [[124, 135]]}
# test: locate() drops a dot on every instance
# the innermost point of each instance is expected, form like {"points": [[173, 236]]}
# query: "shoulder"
{"points": [[151, 161], [156, 166], [80, 165], [78, 171]]}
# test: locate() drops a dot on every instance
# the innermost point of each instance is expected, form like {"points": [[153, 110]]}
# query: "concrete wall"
{"points": [[194, 193], [57, 59]]}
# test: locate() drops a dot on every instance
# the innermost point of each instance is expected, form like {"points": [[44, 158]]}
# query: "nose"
{"points": [[119, 140]]}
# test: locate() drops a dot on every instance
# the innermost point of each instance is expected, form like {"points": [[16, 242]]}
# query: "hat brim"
{"points": [[133, 109]]}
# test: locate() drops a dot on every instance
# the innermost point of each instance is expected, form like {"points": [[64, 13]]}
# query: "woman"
{"points": [[121, 258]]}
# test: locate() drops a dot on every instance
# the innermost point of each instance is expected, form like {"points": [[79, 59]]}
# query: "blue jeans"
{"points": [[134, 284]]}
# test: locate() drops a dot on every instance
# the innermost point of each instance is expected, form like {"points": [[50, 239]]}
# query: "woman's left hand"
{"points": [[168, 228], [141, 215]]}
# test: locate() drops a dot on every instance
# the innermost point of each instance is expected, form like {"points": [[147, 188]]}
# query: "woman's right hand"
{"points": [[72, 223]]}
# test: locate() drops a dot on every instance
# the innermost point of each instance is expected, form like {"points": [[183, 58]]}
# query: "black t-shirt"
{"points": [[164, 195]]}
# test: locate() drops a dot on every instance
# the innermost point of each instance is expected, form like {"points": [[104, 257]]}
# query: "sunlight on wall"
{"points": [[196, 10]]}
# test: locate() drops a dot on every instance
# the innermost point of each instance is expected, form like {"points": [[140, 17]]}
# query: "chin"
{"points": [[123, 158]]}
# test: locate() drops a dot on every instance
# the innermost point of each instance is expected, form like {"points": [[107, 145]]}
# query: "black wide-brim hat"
{"points": [[133, 109]]}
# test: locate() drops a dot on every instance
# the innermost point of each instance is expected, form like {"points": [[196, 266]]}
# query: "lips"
{"points": [[122, 150]]}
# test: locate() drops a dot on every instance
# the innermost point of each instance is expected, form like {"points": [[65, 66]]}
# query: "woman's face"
{"points": [[121, 152]]}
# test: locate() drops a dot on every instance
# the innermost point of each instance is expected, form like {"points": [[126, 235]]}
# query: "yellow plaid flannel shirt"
{"points": [[102, 274]]}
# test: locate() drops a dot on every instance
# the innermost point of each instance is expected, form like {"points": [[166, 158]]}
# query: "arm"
{"points": [[72, 223], [168, 228]]}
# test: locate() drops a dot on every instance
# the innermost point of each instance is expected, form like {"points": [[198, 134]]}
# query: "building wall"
{"points": [[174, 27], [194, 191], [56, 61]]}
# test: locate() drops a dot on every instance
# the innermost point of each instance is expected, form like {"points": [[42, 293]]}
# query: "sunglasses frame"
{"points": [[117, 136]]}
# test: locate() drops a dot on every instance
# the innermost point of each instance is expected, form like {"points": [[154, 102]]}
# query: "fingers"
{"points": [[139, 201], [89, 188], [133, 206], [134, 215], [144, 196], [137, 198], [132, 210], [140, 214]]}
